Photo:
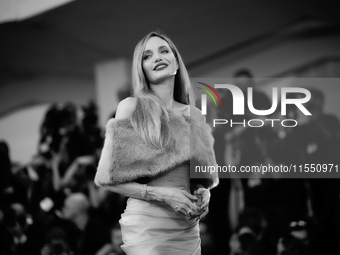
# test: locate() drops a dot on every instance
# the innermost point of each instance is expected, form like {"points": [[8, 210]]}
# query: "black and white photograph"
{"points": [[169, 127]]}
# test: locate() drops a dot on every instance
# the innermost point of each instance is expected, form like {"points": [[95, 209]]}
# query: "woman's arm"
{"points": [[180, 200]]}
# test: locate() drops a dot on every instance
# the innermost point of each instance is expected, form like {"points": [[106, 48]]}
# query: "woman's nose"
{"points": [[157, 58]]}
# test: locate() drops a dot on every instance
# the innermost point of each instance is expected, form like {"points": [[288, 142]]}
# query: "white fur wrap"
{"points": [[126, 157]]}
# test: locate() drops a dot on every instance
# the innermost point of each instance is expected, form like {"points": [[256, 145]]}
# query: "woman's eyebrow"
{"points": [[163, 46], [160, 47]]}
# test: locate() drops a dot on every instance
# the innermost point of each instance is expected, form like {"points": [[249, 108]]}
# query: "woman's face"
{"points": [[158, 61]]}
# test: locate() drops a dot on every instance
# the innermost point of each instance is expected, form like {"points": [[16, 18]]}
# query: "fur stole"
{"points": [[126, 157]]}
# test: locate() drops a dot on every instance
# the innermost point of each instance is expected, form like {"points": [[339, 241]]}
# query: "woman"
{"points": [[147, 152]]}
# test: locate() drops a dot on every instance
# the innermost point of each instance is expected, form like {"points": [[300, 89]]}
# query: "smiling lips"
{"points": [[160, 66]]}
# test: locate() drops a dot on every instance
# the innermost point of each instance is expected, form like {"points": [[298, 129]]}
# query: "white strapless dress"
{"points": [[154, 228]]}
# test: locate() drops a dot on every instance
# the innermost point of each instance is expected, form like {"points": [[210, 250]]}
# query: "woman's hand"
{"points": [[180, 200], [203, 195]]}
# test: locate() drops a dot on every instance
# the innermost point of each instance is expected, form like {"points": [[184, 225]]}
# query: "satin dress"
{"points": [[154, 228]]}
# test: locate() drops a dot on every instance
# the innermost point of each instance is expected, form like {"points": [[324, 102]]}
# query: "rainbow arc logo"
{"points": [[209, 93]]}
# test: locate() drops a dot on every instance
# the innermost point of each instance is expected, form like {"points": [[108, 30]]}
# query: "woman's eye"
{"points": [[165, 51], [146, 57]]}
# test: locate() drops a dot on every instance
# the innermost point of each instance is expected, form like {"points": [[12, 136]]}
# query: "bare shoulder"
{"points": [[196, 114], [126, 107]]}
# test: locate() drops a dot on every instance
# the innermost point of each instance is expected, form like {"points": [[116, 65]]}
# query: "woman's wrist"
{"points": [[144, 192], [154, 193]]}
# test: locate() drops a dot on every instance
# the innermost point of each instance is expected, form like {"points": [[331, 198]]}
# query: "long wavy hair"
{"points": [[151, 119]]}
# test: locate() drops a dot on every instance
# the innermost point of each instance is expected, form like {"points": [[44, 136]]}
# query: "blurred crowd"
{"points": [[270, 214], [51, 205]]}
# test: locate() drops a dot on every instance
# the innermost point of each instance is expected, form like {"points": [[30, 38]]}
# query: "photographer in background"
{"points": [[65, 163]]}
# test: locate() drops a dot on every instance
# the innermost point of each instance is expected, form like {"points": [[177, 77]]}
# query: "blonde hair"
{"points": [[151, 119]]}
